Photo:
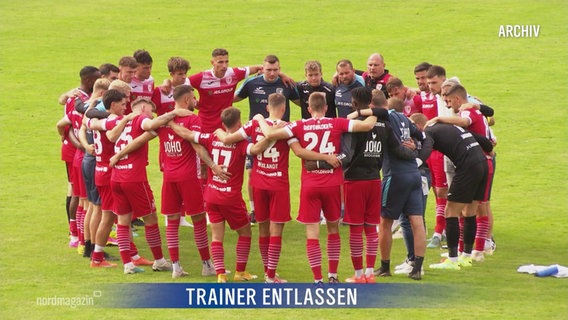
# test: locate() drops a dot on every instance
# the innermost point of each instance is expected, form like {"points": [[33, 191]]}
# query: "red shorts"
{"points": [[489, 184], [182, 196], [362, 202], [133, 197], [273, 205], [79, 189], [313, 200], [107, 199], [235, 214], [436, 165]]}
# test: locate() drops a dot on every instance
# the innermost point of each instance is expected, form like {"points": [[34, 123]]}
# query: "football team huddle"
{"points": [[354, 127]]}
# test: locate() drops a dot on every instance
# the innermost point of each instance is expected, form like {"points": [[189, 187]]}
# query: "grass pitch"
{"points": [[44, 45]]}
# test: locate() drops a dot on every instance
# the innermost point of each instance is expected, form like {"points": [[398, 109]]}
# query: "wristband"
{"points": [[317, 164]]}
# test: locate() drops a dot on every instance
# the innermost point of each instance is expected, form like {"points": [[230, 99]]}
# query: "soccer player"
{"points": [[109, 71], [269, 180], [320, 188], [469, 186], [93, 216], [257, 89], [412, 101], [473, 120], [142, 83], [315, 83], [105, 132], [346, 82], [164, 101], [361, 156], [432, 106], [127, 66], [131, 191], [88, 76], [223, 197], [181, 191]]}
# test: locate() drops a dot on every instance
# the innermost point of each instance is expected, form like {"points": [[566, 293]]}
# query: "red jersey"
{"points": [[132, 167], [67, 148], [142, 89], [104, 150], [429, 104], [412, 106], [477, 122], [232, 157], [324, 136], [216, 94], [164, 102], [177, 156], [270, 168]]}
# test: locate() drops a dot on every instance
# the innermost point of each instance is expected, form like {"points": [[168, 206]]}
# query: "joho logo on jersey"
{"points": [[172, 146], [519, 31]]}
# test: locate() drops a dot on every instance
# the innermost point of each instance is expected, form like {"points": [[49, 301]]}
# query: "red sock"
{"points": [[123, 235], [154, 240], [274, 250], [73, 227], [98, 256], [356, 246], [440, 215], [333, 251], [460, 243], [218, 256], [133, 248], [314, 257], [372, 245], [201, 239], [481, 232], [172, 238], [263, 244], [80, 220], [243, 250]]}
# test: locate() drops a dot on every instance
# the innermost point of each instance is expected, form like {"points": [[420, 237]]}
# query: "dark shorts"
{"points": [[402, 194], [469, 183], [88, 168]]}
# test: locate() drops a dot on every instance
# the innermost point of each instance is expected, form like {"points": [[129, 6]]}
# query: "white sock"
{"points": [[176, 266], [99, 248], [251, 205], [358, 273], [329, 275], [437, 235], [135, 257], [368, 271]]}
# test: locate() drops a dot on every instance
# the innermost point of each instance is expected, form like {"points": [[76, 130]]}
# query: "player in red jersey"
{"points": [[269, 180], [455, 96], [412, 101], [429, 79], [127, 66], [179, 167], [105, 132], [131, 191], [164, 101], [88, 75], [223, 197], [142, 83], [320, 188]]}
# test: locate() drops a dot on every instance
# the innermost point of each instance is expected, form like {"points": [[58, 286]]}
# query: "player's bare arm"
{"points": [[89, 148], [115, 133], [228, 138], [312, 155], [458, 121], [131, 147], [218, 170], [182, 131]]}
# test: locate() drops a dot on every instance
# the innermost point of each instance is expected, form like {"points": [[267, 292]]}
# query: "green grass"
{"points": [[44, 45]]}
